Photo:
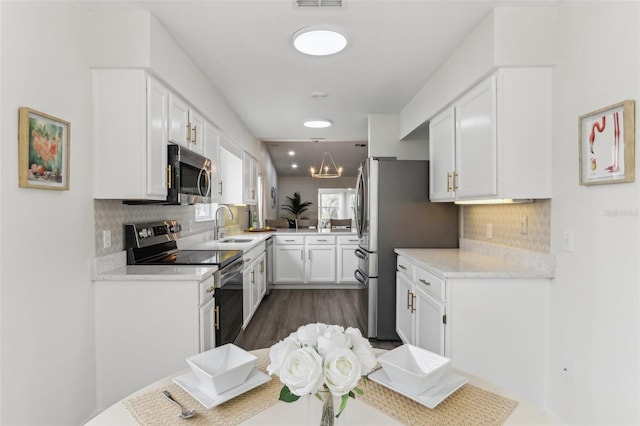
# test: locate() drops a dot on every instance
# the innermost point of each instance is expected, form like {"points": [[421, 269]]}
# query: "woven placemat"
{"points": [[469, 405]]}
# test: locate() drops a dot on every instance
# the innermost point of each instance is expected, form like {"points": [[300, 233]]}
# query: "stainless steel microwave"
{"points": [[188, 177]]}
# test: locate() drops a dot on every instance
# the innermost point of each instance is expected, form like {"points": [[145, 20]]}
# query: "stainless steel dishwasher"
{"points": [[270, 263]]}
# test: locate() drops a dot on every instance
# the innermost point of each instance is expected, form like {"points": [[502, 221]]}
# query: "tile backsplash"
{"points": [[112, 215], [505, 222]]}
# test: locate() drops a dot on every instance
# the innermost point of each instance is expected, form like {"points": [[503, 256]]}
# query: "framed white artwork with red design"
{"points": [[607, 145]]}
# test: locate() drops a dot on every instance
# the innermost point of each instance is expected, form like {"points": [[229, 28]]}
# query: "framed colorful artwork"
{"points": [[607, 145], [43, 153]]}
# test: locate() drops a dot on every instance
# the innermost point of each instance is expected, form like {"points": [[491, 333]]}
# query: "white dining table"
{"points": [[307, 410]]}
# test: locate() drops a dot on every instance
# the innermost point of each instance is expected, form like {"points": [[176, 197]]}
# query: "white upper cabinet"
{"points": [[230, 186], [130, 134], [494, 142], [442, 153], [250, 179], [212, 152], [186, 126]]}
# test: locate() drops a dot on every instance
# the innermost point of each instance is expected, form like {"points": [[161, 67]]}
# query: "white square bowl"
{"points": [[222, 368], [412, 368]]}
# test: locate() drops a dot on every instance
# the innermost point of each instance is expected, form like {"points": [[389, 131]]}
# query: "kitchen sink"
{"points": [[236, 240]]}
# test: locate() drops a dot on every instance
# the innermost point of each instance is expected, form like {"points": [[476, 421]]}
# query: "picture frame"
{"points": [[44, 150], [606, 144], [273, 197]]}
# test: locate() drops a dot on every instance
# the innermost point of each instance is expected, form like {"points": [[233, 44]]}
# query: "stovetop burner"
{"points": [[195, 257]]}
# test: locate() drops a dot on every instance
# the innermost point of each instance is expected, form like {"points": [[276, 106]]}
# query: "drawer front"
{"points": [[289, 239], [348, 240], [430, 283], [321, 239], [206, 290], [405, 268]]}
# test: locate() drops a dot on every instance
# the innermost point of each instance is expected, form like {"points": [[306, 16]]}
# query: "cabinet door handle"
{"points": [[448, 182], [401, 266], [289, 241], [189, 130], [413, 303], [424, 282], [210, 289], [247, 260], [455, 181], [253, 277], [322, 241], [262, 266], [408, 299], [217, 323], [194, 140], [302, 254], [168, 177], [220, 188]]}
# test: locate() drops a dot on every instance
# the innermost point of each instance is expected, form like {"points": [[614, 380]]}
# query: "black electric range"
{"points": [[155, 243]]}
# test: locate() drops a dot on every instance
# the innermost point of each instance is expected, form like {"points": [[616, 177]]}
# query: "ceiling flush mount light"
{"points": [[317, 124], [319, 41], [328, 168]]}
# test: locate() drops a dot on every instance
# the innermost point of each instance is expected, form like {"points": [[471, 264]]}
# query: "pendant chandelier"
{"points": [[328, 168]]}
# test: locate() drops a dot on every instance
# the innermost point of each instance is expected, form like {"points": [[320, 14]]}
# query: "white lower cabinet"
{"points": [[146, 329], [347, 260], [313, 259], [491, 327], [254, 281], [289, 259]]}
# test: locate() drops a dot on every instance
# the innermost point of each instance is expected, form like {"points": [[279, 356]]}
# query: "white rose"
{"points": [[333, 338], [308, 334], [279, 352], [342, 370], [301, 371], [363, 350]]}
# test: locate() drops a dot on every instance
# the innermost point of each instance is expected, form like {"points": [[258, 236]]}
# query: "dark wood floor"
{"points": [[283, 311]]}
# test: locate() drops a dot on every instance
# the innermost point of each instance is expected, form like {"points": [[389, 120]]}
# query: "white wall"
{"points": [[383, 130], [124, 38], [47, 374], [595, 297], [308, 189], [508, 36]]}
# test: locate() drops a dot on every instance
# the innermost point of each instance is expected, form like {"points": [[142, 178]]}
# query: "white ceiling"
{"points": [[244, 47]]}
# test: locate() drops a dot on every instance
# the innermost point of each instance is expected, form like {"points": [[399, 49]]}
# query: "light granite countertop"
{"points": [[114, 267], [481, 260], [156, 273]]}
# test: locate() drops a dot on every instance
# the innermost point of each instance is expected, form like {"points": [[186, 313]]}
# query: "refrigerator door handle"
{"points": [[360, 254], [360, 277]]}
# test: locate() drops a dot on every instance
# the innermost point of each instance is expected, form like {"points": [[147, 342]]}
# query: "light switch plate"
{"points": [[567, 241], [106, 238]]}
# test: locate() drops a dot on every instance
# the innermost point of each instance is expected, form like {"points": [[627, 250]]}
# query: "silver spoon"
{"points": [[184, 414]]}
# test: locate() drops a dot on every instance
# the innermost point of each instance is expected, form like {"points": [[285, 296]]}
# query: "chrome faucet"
{"points": [[216, 228]]}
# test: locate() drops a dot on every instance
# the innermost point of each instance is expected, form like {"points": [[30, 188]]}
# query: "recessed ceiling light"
{"points": [[292, 153], [317, 124], [294, 166], [319, 41]]}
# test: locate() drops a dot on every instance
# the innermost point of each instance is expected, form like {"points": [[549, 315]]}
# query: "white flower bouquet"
{"points": [[320, 357]]}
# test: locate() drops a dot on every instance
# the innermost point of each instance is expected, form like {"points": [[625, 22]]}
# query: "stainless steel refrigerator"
{"points": [[393, 211]]}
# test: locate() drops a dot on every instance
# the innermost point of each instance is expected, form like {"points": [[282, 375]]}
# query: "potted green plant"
{"points": [[295, 205]]}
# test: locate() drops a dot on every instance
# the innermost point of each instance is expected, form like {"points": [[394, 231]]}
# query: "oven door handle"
{"points": [[231, 269]]}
